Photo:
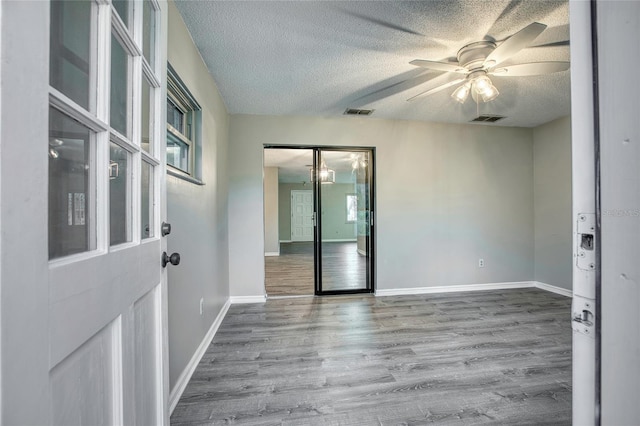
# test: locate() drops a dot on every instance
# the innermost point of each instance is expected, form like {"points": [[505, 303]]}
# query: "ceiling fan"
{"points": [[479, 60]]}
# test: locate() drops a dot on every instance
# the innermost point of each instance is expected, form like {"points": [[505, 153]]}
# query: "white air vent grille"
{"points": [[354, 111], [487, 119]]}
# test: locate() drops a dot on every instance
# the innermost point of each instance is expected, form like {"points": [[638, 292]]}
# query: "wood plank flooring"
{"points": [[490, 357], [343, 268], [291, 273]]}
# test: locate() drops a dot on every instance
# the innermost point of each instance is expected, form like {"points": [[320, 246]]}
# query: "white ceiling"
{"points": [[321, 57]]}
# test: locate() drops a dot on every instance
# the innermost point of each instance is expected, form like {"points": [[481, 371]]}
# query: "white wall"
{"points": [[446, 196], [552, 203], [198, 213], [271, 238]]}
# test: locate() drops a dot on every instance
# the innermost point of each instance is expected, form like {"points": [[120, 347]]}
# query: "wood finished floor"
{"points": [[291, 273], [490, 357]]}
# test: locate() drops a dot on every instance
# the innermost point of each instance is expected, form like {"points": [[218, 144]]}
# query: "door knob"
{"points": [[174, 259]]}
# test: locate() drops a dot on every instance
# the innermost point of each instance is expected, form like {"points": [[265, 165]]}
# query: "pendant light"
{"points": [[325, 174]]}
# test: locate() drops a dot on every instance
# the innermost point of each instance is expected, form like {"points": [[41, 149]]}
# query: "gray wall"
{"points": [[271, 238], [334, 214], [552, 203], [446, 196], [198, 213]]}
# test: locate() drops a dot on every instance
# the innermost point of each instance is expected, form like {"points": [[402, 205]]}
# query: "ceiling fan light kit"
{"points": [[477, 61], [481, 86]]}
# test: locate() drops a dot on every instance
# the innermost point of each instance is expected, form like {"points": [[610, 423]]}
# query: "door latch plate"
{"points": [[586, 242], [583, 316]]}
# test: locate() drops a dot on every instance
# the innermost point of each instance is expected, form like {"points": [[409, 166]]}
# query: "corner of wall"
{"points": [[553, 235]]}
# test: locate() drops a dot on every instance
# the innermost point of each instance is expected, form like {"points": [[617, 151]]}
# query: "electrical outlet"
{"points": [[480, 263], [201, 306]]}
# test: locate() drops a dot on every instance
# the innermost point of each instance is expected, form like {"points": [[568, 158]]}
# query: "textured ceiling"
{"points": [[321, 57]]}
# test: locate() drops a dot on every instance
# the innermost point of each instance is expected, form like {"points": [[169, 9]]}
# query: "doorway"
{"points": [[318, 220]]}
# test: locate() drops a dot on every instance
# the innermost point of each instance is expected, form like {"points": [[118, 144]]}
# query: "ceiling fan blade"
{"points": [[532, 68], [440, 66], [515, 43], [437, 89], [561, 43], [385, 24], [393, 87]]}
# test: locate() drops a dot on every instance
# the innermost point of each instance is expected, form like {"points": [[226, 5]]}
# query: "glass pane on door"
{"points": [[72, 227], [146, 200], [148, 32], [146, 141], [119, 87], [71, 46], [344, 202], [119, 199]]}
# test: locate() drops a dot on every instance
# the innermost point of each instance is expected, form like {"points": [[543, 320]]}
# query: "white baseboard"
{"points": [[553, 289], [247, 299], [475, 287], [340, 240], [185, 376], [453, 288], [290, 297], [285, 241], [272, 253]]}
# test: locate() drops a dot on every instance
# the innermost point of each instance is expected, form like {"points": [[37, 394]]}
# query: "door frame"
{"points": [[317, 200], [317, 243]]}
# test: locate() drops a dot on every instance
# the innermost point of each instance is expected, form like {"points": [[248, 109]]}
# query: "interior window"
{"points": [[183, 124]]}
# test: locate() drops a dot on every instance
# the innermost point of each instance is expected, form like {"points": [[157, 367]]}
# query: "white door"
{"points": [[83, 289], [618, 31], [301, 215]]}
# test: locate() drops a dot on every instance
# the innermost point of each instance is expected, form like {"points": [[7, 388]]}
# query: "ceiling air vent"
{"points": [[355, 111], [486, 119]]}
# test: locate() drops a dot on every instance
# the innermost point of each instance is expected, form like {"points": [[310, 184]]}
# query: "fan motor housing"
{"points": [[473, 55]]}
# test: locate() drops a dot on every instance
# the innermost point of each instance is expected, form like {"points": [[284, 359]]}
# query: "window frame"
{"points": [[346, 202], [180, 96]]}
